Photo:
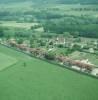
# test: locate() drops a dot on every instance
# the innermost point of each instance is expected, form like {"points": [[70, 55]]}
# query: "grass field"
{"points": [[39, 80], [6, 61], [14, 24]]}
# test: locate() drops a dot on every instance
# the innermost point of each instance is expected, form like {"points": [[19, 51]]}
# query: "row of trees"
{"points": [[79, 1], [14, 32], [54, 1], [85, 9]]}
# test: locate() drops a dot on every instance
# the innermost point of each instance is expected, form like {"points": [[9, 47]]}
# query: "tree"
{"points": [[20, 41], [42, 43], [50, 56], [24, 64], [1, 32], [75, 34], [76, 47]]}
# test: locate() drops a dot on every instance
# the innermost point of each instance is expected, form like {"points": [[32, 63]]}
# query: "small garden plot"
{"points": [[92, 58], [6, 61]]}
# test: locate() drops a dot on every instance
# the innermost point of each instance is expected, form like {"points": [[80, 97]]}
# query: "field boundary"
{"points": [[8, 67], [51, 62]]}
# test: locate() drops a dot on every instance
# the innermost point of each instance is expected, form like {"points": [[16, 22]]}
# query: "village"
{"points": [[59, 49]]}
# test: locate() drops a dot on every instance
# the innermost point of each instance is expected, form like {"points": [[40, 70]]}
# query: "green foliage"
{"points": [[50, 55], [1, 32], [54, 1], [76, 30], [20, 40], [35, 27], [76, 47], [42, 43]]}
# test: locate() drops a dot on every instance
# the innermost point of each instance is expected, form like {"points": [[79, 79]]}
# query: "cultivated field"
{"points": [[39, 80]]}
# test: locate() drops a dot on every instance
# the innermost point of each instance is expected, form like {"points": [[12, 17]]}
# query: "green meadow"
{"points": [[6, 61], [14, 24], [39, 80]]}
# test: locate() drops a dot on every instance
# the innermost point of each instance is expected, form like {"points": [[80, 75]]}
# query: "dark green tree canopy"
{"points": [[54, 1]]}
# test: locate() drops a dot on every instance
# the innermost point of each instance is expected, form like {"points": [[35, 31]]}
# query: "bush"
{"points": [[50, 56]]}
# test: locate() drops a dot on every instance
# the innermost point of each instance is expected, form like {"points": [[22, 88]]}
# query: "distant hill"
{"points": [[54, 1]]}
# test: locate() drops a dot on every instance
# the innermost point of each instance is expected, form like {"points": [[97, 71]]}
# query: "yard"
{"points": [[93, 58], [39, 80]]}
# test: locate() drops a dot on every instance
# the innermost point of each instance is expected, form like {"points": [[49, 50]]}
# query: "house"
{"points": [[91, 50], [12, 42], [59, 41], [95, 72], [22, 46]]}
